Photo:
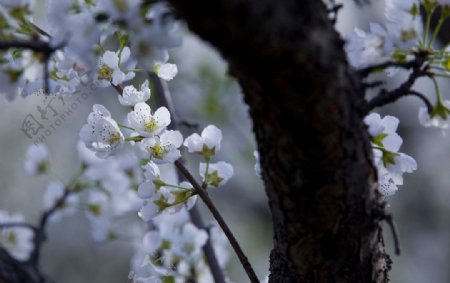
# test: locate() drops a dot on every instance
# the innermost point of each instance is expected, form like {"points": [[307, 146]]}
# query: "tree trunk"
{"points": [[306, 104]]}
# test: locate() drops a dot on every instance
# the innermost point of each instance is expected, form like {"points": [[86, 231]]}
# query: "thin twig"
{"points": [[35, 45], [41, 31], [118, 88], [215, 212], [390, 220], [425, 100]]}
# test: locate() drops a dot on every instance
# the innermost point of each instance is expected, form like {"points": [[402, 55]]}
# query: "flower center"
{"points": [[114, 138], [105, 73], [151, 125]]}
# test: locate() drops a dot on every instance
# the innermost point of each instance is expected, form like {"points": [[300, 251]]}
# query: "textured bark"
{"points": [[306, 104], [13, 271]]}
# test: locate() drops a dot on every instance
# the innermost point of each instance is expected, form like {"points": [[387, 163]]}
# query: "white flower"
{"points": [[390, 163], [149, 210], [369, 48], [438, 120], [163, 149], [217, 174], [102, 134], [18, 241], [53, 198], [151, 171], [36, 161], [109, 69], [131, 96], [207, 144], [404, 25], [146, 124], [96, 204], [403, 164], [190, 242], [165, 71], [384, 130]]}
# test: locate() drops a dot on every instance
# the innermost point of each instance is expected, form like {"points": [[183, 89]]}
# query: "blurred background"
{"points": [[205, 94]]}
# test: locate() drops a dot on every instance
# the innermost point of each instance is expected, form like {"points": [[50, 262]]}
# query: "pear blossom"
{"points": [[149, 210], [404, 26], [146, 124], [152, 179], [165, 198], [368, 48], [207, 144], [96, 204], [18, 241], [111, 65], [36, 161], [165, 71], [131, 96], [390, 163], [190, 242], [102, 134], [53, 198], [161, 149], [439, 117], [384, 130], [216, 174]]}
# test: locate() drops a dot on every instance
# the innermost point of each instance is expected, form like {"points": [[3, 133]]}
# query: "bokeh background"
{"points": [[205, 94]]}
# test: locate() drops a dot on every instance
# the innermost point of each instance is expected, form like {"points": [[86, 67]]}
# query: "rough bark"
{"points": [[306, 104]]}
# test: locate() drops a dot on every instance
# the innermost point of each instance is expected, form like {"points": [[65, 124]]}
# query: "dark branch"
{"points": [[425, 100], [386, 97]]}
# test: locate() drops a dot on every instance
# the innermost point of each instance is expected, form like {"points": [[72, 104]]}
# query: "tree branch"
{"points": [[40, 46], [387, 97], [212, 208]]}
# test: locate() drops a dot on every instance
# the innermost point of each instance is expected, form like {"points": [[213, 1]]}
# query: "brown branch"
{"points": [[215, 212]]}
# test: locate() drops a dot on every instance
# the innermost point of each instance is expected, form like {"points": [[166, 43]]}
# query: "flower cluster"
{"points": [[403, 40], [207, 145], [18, 241], [402, 32], [173, 251], [81, 32], [386, 143]]}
